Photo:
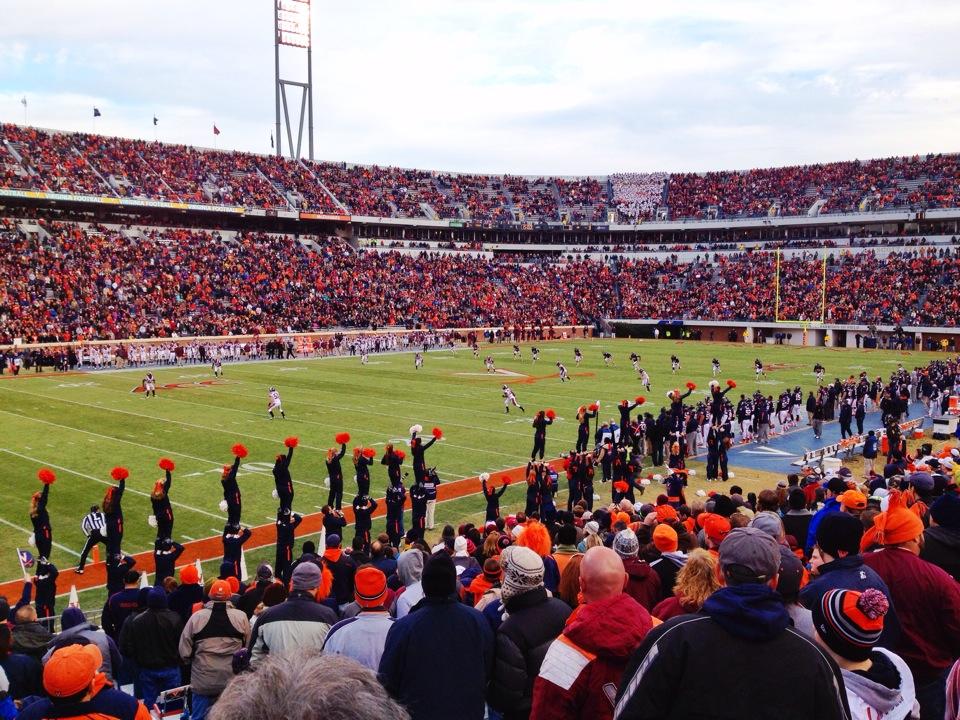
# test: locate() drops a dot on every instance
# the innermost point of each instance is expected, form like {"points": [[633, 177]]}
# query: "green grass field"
{"points": [[82, 425]]}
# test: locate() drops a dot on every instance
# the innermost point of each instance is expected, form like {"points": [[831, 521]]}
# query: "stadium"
{"points": [[440, 443]]}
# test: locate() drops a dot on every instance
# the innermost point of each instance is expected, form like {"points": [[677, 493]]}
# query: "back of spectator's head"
{"points": [[307, 685], [310, 547], [306, 577], [370, 587], [836, 486], [523, 570], [770, 523], [71, 617], [796, 500], [25, 614], [850, 623], [131, 578], [665, 538], [567, 535], [189, 575], [220, 591], [439, 579], [602, 574], [749, 555], [767, 500], [625, 544]]}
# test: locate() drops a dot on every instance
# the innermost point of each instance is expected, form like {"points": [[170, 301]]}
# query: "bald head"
{"points": [[601, 574]]}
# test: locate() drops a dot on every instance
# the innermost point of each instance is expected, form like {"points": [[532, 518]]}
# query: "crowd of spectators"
{"points": [[74, 282], [98, 165]]}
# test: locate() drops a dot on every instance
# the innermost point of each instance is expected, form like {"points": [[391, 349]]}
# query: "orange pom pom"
{"points": [[119, 473], [166, 464], [620, 486], [400, 454], [239, 450], [369, 453], [551, 413], [291, 442], [507, 480], [593, 407], [691, 386], [639, 399], [437, 433], [342, 438], [731, 384], [46, 476]]}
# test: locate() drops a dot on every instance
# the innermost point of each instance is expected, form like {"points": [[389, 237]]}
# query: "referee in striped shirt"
{"points": [[94, 526]]}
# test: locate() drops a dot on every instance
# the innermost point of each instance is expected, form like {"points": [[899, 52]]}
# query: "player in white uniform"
{"points": [[217, 368], [510, 399], [818, 371], [674, 364], [607, 358], [758, 369], [273, 403], [564, 376], [418, 360], [635, 361], [645, 379], [488, 362], [149, 385], [364, 358], [577, 356], [516, 353], [534, 354], [716, 367]]}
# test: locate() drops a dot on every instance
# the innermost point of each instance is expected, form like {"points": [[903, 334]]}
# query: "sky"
{"points": [[558, 87]]}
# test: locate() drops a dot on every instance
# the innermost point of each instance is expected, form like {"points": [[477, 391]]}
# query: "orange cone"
{"points": [[96, 554]]}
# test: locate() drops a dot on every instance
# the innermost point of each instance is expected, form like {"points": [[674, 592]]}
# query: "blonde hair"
{"points": [[569, 588], [697, 579]]}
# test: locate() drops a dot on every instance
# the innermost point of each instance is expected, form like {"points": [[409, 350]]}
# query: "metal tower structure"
{"points": [[291, 23]]}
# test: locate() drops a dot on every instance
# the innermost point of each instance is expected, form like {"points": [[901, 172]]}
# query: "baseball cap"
{"points": [[71, 669], [853, 499], [264, 571], [748, 554], [220, 590], [715, 527], [370, 587]]}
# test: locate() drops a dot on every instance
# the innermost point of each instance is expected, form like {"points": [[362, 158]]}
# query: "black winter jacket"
{"points": [[534, 621]]}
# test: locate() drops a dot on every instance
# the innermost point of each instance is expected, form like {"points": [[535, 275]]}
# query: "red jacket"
{"points": [[672, 607], [928, 605], [579, 675], [644, 583]]}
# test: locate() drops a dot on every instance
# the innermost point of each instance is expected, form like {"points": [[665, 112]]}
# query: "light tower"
{"points": [[291, 23]]}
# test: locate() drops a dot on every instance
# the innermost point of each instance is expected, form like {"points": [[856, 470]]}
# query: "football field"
{"points": [[83, 424]]}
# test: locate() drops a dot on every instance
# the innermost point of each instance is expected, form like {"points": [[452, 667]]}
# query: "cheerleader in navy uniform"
{"points": [[166, 552], [287, 524], [418, 509], [418, 449], [492, 496], [396, 495], [113, 510], [335, 471], [282, 480], [40, 518], [584, 416], [393, 459], [231, 503], [160, 501], [233, 539], [626, 432], [362, 461], [717, 404], [585, 477], [548, 487], [534, 472], [571, 466], [540, 422], [45, 582]]}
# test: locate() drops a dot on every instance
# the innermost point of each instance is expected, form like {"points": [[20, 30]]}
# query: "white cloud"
{"points": [[531, 86]]}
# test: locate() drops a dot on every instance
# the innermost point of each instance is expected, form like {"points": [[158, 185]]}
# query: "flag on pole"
{"points": [[199, 568], [74, 600], [244, 575], [96, 112], [216, 130], [154, 120], [271, 141], [144, 580], [24, 101], [22, 557]]}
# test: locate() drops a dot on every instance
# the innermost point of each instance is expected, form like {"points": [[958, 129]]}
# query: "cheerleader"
{"points": [[717, 403], [534, 473], [584, 416], [548, 488], [626, 430], [396, 495], [287, 524], [282, 480], [335, 472], [418, 449], [231, 503], [540, 422], [418, 510], [160, 501], [113, 510], [393, 459], [362, 462], [585, 476], [166, 552], [45, 583], [492, 495], [40, 517], [233, 539], [675, 460]]}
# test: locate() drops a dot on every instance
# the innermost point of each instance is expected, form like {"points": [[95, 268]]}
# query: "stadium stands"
{"points": [[98, 165]]}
